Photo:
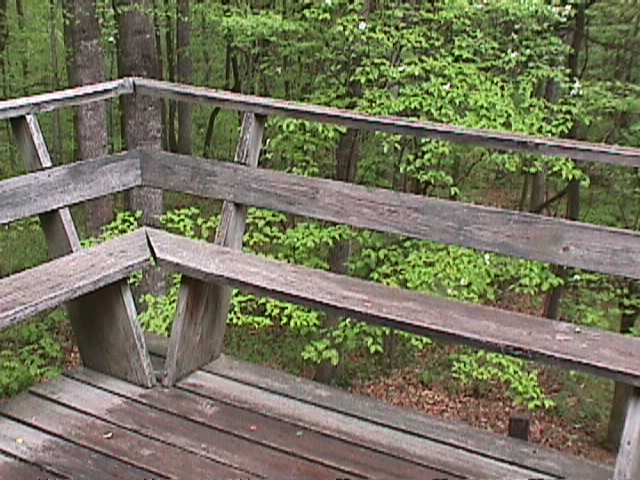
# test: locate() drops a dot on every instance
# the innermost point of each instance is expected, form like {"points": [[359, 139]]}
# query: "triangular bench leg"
{"points": [[105, 321], [201, 314]]}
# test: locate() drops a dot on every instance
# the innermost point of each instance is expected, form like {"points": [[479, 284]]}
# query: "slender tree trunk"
{"points": [[554, 298], [157, 24], [347, 157], [86, 66], [185, 75], [23, 61], [58, 141], [170, 48]]}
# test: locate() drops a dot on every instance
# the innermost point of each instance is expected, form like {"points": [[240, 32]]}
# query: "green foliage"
{"points": [[125, 222], [30, 353], [521, 381]]}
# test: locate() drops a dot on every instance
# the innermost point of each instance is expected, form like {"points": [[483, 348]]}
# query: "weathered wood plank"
{"points": [[467, 136], [60, 457], [201, 438], [202, 310], [59, 230], [628, 461], [145, 453], [119, 349], [296, 439], [486, 444], [28, 293], [577, 348], [423, 451], [535, 237], [64, 98], [12, 468], [58, 187]]}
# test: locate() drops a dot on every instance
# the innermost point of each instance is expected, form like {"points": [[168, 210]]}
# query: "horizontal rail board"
{"points": [[58, 187], [535, 237], [512, 142], [46, 102], [33, 291], [577, 348]]}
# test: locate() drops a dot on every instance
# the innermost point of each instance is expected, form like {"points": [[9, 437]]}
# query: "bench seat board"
{"points": [[47, 286], [578, 348]]}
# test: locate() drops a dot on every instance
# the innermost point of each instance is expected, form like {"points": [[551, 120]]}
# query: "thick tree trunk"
{"points": [[185, 75], [347, 157], [137, 56], [86, 66], [141, 115]]}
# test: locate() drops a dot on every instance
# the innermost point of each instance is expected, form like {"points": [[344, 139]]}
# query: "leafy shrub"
{"points": [[30, 353]]}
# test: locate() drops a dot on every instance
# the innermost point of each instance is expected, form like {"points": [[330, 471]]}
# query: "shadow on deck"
{"points": [[235, 420]]}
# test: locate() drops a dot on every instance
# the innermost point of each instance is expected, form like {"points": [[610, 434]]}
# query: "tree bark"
{"points": [[347, 157], [86, 66], [142, 121], [185, 75], [141, 115]]}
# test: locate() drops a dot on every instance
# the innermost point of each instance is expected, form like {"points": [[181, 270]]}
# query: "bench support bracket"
{"points": [[201, 314], [104, 322]]}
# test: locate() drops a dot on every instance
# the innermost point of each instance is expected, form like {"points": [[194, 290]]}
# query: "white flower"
{"points": [[362, 25]]}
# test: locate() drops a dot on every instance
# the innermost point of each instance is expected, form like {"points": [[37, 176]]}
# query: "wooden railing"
{"points": [[99, 301]]}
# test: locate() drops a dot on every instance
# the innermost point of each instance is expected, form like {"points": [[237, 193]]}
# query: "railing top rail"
{"points": [[46, 102], [511, 142], [501, 141]]}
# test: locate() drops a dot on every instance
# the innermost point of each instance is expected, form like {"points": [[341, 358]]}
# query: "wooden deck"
{"points": [[235, 420]]}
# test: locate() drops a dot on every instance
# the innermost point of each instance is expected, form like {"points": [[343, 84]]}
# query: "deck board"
{"points": [[237, 421], [299, 440], [58, 457]]}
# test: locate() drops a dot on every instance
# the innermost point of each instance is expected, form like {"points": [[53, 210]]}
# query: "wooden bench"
{"points": [[93, 282]]}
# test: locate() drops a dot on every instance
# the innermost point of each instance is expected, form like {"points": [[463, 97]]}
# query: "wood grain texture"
{"points": [[92, 432], [64, 98], [577, 348], [59, 230], [459, 435], [199, 438], [47, 286], [58, 187], [426, 452], [58, 457], [628, 460], [105, 323], [13, 468], [467, 136], [535, 237], [201, 315], [296, 439]]}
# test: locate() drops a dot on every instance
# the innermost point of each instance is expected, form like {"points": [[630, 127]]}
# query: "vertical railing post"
{"points": [[104, 322], [201, 314], [628, 460]]}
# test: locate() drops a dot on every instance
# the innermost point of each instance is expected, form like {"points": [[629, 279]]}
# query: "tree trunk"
{"points": [[554, 298], [86, 66], [141, 115], [137, 56], [185, 75], [170, 48], [347, 156]]}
